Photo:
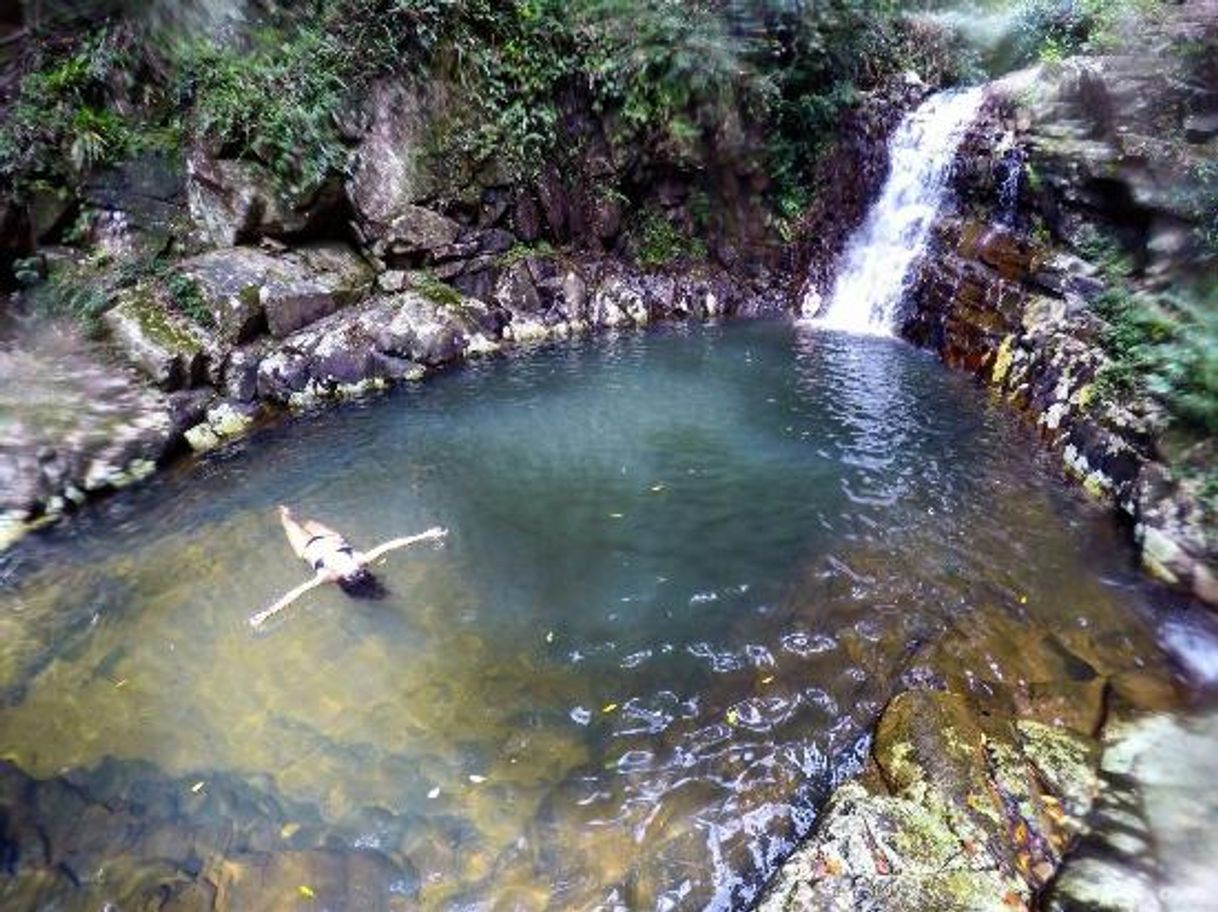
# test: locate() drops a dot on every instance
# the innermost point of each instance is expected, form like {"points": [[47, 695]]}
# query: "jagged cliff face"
{"points": [[1114, 147], [409, 195]]}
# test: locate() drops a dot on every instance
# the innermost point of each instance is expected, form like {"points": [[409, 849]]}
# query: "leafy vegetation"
{"points": [[87, 103], [660, 242], [436, 291], [188, 299], [671, 79], [1165, 345], [1050, 30]]}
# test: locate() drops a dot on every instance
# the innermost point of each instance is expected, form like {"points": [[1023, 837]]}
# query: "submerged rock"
{"points": [[117, 836], [363, 880]]}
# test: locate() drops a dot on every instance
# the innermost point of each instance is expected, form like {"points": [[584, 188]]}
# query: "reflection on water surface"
{"points": [[685, 571]]}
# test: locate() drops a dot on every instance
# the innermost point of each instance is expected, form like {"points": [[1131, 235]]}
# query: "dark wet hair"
{"points": [[362, 584]]}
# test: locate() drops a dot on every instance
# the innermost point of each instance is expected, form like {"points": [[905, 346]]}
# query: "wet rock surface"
{"points": [[960, 808]]}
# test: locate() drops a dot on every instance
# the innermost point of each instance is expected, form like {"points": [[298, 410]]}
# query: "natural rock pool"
{"points": [[686, 568]]}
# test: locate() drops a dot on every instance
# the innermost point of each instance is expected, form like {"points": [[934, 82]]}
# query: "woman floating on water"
{"points": [[335, 561]]}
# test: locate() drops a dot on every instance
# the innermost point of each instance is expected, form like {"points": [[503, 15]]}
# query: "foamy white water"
{"points": [[875, 268]]}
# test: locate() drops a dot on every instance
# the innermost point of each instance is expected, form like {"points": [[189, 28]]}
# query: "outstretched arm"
{"points": [[368, 557], [256, 620]]}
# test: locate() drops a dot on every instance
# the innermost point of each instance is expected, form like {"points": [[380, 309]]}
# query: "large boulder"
{"points": [[235, 201], [248, 290], [74, 421], [319, 279], [962, 810], [619, 301], [379, 341], [168, 347], [389, 173], [1157, 809], [141, 205], [412, 236]]}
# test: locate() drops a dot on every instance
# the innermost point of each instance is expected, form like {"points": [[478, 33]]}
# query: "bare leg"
{"points": [[297, 535], [314, 528]]}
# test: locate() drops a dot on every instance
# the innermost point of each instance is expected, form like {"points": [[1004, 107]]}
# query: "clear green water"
{"points": [[685, 570]]}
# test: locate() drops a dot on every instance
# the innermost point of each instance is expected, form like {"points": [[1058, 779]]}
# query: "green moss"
{"points": [[250, 296], [156, 322], [520, 252], [436, 291], [1066, 762], [1003, 361]]}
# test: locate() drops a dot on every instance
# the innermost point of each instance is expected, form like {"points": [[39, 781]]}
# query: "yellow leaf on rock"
{"points": [[306, 892]]}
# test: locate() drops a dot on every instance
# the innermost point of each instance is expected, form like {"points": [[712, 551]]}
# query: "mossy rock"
{"points": [[170, 349]]}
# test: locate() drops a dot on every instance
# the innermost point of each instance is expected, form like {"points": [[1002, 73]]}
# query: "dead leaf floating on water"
{"points": [[608, 708]]}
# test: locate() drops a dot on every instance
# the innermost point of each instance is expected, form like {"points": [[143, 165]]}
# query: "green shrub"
{"points": [[274, 101], [85, 103], [188, 299], [1165, 345], [1186, 374], [1050, 30], [659, 242]]}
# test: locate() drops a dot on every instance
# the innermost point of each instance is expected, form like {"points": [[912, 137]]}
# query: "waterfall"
{"points": [[874, 270]]}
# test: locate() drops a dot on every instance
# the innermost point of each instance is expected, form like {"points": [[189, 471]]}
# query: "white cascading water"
{"points": [[875, 267]]}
